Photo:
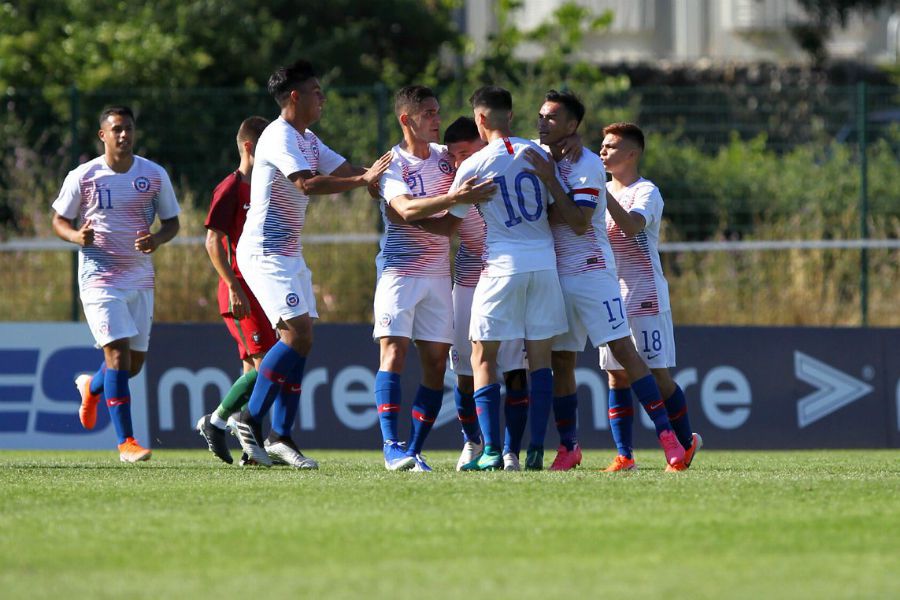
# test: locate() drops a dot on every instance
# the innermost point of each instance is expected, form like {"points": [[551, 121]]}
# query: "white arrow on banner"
{"points": [[836, 389]]}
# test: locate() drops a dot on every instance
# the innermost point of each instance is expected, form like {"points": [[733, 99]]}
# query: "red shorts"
{"points": [[253, 333]]}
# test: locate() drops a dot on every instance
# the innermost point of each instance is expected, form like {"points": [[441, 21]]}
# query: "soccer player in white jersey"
{"points": [[290, 165], [635, 214], [412, 296], [116, 197], [587, 274], [518, 294]]}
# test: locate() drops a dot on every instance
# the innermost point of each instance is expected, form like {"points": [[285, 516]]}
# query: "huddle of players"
{"points": [[535, 276]]}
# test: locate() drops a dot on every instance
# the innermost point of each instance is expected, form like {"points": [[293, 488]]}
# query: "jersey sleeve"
{"points": [[223, 206], [587, 181], [285, 154], [167, 206], [648, 203], [329, 160], [393, 183], [68, 203]]}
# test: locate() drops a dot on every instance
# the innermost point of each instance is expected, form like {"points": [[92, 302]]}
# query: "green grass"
{"points": [[820, 524]]}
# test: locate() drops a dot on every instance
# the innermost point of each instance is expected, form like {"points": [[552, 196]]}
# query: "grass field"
{"points": [[738, 525]]}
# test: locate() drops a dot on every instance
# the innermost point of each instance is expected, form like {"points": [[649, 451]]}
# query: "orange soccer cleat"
{"points": [[87, 412], [621, 463], [131, 452]]}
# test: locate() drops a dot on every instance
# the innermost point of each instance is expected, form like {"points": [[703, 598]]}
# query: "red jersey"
{"points": [[227, 213]]}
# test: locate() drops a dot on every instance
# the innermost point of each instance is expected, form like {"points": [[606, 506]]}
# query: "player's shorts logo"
{"points": [[292, 299], [454, 356], [385, 320], [141, 184], [445, 167]]}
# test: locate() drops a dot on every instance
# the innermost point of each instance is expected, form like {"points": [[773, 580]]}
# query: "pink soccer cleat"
{"points": [[565, 459], [672, 447]]}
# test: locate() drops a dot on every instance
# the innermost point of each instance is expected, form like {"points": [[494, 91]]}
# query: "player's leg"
{"points": [[676, 407], [565, 408], [621, 416], [461, 365], [541, 401], [515, 409], [429, 397], [388, 398], [487, 401]]}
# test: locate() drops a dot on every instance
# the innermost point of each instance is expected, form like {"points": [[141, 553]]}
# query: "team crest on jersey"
{"points": [[445, 167], [385, 320], [141, 184], [104, 328], [255, 337], [292, 299]]}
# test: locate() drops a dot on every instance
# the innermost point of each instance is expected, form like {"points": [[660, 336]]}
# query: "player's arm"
{"points": [[469, 192], [240, 304], [575, 216], [317, 185], [66, 230], [445, 225], [148, 242], [631, 223]]}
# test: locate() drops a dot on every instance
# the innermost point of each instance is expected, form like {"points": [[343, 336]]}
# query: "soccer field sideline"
{"points": [[737, 525]]}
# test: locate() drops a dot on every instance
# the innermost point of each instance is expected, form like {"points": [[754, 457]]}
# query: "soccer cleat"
{"points": [[131, 452], [87, 412], [621, 463], [395, 457], [469, 456], [421, 466], [672, 447], [246, 461], [511, 462], [285, 452], [490, 460], [566, 459], [249, 434], [215, 439], [534, 459], [696, 444]]}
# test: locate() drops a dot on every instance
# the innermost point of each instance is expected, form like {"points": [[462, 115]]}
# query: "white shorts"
{"points": [[523, 305], [282, 284], [418, 308], [593, 308], [116, 314], [511, 355], [654, 340]]}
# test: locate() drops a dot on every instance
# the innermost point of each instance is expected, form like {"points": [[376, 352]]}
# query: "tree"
{"points": [[824, 16]]}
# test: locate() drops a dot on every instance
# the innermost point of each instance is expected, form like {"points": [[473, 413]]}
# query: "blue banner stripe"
{"points": [[13, 421], [15, 393], [18, 362]]}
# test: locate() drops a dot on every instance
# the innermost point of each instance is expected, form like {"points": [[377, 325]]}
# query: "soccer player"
{"points": [[633, 223], [244, 317], [290, 165], [587, 274], [518, 294], [412, 295], [462, 140], [116, 196]]}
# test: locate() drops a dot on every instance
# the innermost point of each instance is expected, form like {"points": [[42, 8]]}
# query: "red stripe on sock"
{"points": [[470, 419], [655, 405], [618, 413], [565, 422], [388, 408], [418, 416], [118, 401], [679, 414], [516, 401]]}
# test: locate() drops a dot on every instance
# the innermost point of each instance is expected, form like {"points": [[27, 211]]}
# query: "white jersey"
{"points": [[277, 208], [644, 288], [406, 249], [575, 254], [467, 264], [119, 206], [518, 234]]}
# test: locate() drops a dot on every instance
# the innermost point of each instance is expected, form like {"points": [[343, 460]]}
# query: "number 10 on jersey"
{"points": [[514, 219]]}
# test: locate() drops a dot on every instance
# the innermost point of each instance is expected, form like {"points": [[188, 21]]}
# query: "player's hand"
{"points": [[544, 167], [85, 235], [571, 147], [373, 173], [473, 193], [145, 242], [240, 304]]}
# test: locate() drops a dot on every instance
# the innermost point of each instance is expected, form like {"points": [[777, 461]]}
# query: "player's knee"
{"points": [[618, 379], [516, 381]]}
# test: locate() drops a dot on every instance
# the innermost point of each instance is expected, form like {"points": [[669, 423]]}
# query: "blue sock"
{"points": [[465, 410], [676, 407], [425, 410], [274, 373], [387, 399], [118, 400], [515, 410], [648, 395], [284, 409], [97, 379], [541, 403], [487, 406], [565, 408], [621, 419]]}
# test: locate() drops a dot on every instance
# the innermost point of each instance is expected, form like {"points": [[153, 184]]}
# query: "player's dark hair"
{"points": [[492, 97], [626, 131], [570, 102], [251, 128], [461, 130], [122, 111], [286, 79], [409, 98]]}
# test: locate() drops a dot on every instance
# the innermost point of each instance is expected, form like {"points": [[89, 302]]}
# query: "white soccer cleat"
{"points": [[285, 452], [511, 462], [249, 437], [469, 455]]}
